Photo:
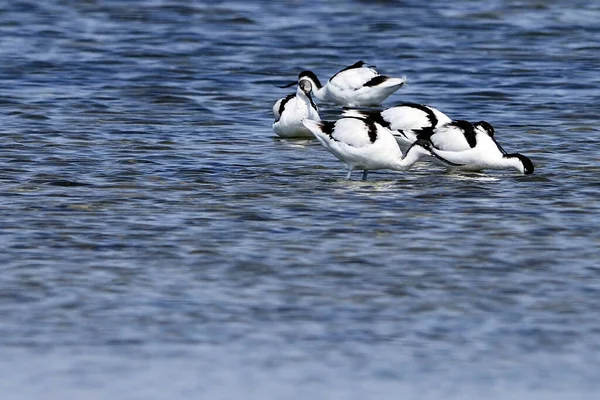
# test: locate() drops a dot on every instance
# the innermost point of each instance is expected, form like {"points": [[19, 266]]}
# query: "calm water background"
{"points": [[159, 242]]}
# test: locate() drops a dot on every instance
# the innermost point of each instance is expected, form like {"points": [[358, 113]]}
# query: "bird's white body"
{"points": [[364, 144], [406, 120], [469, 147], [354, 86], [291, 110]]}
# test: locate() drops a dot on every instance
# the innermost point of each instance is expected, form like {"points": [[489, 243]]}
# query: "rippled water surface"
{"points": [[159, 242]]}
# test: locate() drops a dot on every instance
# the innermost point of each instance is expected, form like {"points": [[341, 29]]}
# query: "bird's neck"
{"points": [[319, 92], [508, 160], [306, 98], [413, 154]]}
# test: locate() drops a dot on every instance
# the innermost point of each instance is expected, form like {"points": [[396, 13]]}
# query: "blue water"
{"points": [[160, 242]]}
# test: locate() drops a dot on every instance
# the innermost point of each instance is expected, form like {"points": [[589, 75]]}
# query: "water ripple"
{"points": [[155, 229]]}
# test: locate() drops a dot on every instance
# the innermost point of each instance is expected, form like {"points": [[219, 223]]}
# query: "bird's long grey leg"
{"points": [[349, 172], [365, 172]]}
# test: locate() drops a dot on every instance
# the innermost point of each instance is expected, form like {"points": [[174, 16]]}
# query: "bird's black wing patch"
{"points": [[375, 116], [379, 79], [357, 64], [424, 132], [468, 131], [328, 127], [372, 131], [282, 104]]}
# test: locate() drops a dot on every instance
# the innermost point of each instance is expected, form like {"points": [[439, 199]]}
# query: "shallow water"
{"points": [[160, 242]]}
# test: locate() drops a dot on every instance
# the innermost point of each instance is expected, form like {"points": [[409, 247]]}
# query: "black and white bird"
{"points": [[365, 144], [406, 120], [472, 147], [291, 110], [355, 86]]}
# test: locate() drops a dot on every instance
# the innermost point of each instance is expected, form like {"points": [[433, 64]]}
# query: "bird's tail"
{"points": [[395, 82], [313, 126]]}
